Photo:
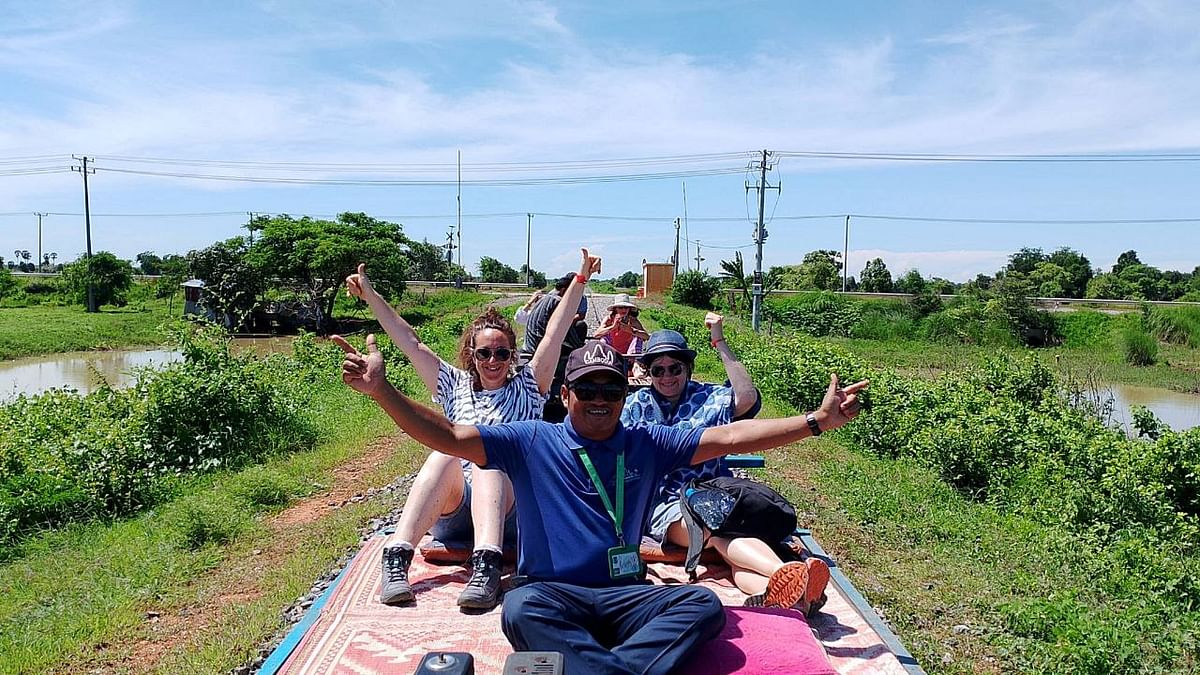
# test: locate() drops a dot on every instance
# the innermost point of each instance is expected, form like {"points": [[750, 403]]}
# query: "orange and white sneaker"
{"points": [[787, 587], [818, 580]]}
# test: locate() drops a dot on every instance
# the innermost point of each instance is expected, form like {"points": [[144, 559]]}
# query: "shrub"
{"points": [[695, 288], [1176, 325], [816, 313], [8, 283], [1138, 346]]}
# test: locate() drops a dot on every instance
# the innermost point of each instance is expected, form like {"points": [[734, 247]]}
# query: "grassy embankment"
{"points": [[197, 583]]}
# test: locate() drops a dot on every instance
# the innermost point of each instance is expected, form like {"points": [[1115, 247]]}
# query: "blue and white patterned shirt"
{"points": [[702, 405]]}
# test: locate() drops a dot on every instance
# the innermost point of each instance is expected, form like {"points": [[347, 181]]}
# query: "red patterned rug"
{"points": [[356, 634]]}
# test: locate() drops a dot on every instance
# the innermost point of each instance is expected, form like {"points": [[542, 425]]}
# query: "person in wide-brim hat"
{"points": [[622, 329]]}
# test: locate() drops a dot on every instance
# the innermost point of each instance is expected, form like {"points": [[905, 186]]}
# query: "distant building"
{"points": [[192, 290]]}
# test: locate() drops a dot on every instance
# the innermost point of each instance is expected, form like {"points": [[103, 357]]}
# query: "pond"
{"points": [[87, 371], [1178, 410]]}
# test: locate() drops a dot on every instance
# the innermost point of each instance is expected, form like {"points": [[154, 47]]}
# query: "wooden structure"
{"points": [[657, 278]]}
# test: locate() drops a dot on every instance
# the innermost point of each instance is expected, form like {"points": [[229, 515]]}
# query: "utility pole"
{"points": [[250, 225], [528, 248], [87, 221], [760, 235], [39, 216], [460, 208], [675, 257], [846, 255], [450, 245], [699, 258]]}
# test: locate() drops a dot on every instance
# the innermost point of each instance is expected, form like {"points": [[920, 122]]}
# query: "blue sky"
{"points": [[407, 85]]}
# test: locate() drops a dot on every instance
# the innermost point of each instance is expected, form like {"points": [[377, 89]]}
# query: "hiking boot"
{"points": [[786, 587], [395, 589], [818, 579], [483, 588]]}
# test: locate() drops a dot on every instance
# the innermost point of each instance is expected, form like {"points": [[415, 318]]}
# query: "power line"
{"points": [[940, 157], [483, 182]]}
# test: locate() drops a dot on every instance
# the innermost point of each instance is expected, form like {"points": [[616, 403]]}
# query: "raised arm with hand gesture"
{"points": [[366, 374], [358, 285]]}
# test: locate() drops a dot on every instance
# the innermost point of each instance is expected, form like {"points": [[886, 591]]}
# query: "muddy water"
{"points": [[1179, 411], [88, 371]]}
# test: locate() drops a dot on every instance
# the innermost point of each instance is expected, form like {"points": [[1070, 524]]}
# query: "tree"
{"points": [[536, 279], [492, 271], [911, 282], [695, 288], [1078, 270], [1125, 260], [821, 270], [1025, 260], [1048, 280], [149, 263], [313, 257], [1108, 287], [628, 280], [876, 278], [231, 284], [110, 277], [427, 262], [733, 275]]}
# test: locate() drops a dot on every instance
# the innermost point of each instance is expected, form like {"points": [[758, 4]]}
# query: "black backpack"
{"points": [[733, 507]]}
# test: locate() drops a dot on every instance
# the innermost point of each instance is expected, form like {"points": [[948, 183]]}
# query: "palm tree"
{"points": [[733, 274]]}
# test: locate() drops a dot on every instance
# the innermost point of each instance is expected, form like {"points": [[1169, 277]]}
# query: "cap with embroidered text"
{"points": [[595, 356]]}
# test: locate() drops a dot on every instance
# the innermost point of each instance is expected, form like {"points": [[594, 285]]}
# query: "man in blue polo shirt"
{"points": [[582, 490]]}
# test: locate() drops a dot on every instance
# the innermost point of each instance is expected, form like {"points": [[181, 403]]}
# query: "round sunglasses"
{"points": [[588, 391], [674, 369], [485, 353]]}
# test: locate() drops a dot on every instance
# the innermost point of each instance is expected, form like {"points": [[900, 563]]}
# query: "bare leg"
{"points": [[751, 560], [491, 500], [436, 492]]}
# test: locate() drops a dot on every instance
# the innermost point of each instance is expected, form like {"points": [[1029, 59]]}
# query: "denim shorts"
{"points": [[457, 529], [661, 518]]}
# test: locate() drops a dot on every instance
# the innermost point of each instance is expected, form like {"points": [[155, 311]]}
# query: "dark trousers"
{"points": [[601, 631]]}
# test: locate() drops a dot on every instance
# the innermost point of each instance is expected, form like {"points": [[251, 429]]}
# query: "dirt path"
{"points": [[170, 627]]}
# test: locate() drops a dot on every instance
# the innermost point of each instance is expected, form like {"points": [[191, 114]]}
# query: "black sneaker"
{"points": [[395, 589], [483, 588]]}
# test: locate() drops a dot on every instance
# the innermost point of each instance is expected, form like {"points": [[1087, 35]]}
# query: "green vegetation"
{"points": [[695, 288], [88, 594], [47, 329], [1064, 536]]}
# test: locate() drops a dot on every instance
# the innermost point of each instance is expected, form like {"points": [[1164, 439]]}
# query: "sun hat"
{"points": [[594, 356], [666, 342], [622, 300]]}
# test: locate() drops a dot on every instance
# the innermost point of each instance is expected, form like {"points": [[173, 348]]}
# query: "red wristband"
{"points": [[580, 278], [714, 342]]}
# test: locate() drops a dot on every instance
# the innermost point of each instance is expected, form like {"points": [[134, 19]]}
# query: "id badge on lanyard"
{"points": [[624, 560]]}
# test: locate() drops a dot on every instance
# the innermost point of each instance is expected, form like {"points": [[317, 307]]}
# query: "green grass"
{"points": [[47, 329], [1177, 368], [80, 588]]}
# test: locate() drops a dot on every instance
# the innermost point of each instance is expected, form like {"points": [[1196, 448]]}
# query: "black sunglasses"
{"points": [[485, 353], [588, 391], [674, 369]]}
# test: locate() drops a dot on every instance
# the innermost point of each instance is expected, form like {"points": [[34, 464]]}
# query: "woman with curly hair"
{"points": [[458, 502]]}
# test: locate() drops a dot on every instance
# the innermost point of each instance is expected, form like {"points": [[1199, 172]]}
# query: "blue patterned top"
{"points": [[702, 405]]}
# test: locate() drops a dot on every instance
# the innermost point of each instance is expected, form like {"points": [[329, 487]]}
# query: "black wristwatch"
{"points": [[812, 424]]}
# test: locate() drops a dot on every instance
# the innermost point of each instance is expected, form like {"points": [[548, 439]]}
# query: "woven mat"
{"points": [[356, 634]]}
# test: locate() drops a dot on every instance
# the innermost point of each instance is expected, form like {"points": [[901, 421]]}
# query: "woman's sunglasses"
{"points": [[588, 391], [674, 369], [485, 353]]}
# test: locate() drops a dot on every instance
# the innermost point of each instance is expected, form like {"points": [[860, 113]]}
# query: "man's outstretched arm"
{"points": [[839, 407], [366, 374]]}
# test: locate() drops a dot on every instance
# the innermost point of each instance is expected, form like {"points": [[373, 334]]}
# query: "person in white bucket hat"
{"points": [[621, 329]]}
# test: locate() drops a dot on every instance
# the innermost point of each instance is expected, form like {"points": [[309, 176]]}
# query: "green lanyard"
{"points": [[617, 514]]}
